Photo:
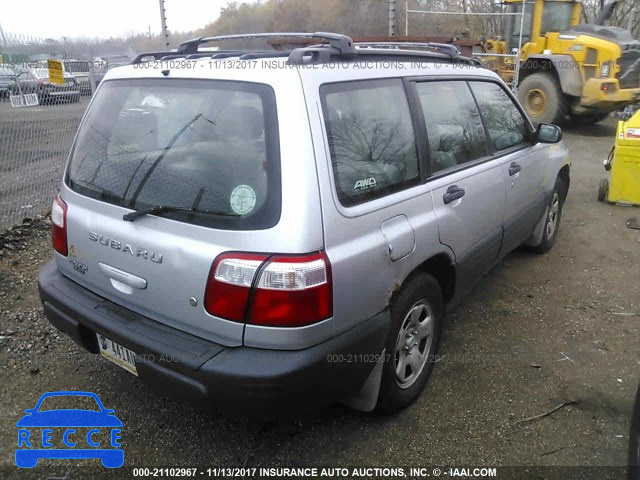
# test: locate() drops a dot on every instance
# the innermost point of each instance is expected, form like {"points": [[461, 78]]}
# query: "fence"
{"points": [[34, 144], [38, 121], [507, 66], [475, 25]]}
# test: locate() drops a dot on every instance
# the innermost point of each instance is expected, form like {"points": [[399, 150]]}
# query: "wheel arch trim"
{"points": [[570, 79]]}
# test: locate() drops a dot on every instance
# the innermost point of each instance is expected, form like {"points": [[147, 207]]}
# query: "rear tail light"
{"points": [[608, 87], [59, 226], [229, 285], [274, 291]]}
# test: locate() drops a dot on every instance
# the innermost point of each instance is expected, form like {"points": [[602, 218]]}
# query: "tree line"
{"points": [[353, 17], [370, 17]]}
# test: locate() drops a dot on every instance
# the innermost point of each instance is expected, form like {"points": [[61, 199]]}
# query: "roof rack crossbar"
{"points": [[175, 56], [343, 43], [195, 56], [227, 53], [258, 55], [319, 54], [445, 48]]}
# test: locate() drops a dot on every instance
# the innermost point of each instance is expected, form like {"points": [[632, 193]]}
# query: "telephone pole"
{"points": [[393, 27], [163, 21]]}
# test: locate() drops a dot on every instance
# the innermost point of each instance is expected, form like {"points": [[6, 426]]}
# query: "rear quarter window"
{"points": [[371, 139], [210, 146]]}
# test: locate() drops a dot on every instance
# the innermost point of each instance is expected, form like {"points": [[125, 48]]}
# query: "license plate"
{"points": [[118, 354]]}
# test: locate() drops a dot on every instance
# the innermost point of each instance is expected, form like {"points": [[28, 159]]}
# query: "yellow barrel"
{"points": [[624, 185]]}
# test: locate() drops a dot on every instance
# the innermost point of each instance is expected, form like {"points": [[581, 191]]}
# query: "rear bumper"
{"points": [[236, 381]]}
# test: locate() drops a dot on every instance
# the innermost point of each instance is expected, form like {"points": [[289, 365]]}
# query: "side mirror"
{"points": [[547, 133]]}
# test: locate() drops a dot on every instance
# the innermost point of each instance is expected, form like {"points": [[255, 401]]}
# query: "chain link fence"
{"points": [[34, 144], [504, 65], [478, 25], [38, 120]]}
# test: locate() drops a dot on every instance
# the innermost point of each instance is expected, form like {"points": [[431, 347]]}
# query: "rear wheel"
{"points": [[603, 190], [412, 341], [542, 98]]}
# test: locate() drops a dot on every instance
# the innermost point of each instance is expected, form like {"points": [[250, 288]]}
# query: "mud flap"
{"points": [[536, 238], [365, 400]]}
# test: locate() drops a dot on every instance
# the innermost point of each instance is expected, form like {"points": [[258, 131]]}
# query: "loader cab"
{"points": [[540, 17]]}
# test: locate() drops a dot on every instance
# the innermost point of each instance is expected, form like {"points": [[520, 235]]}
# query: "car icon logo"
{"points": [[69, 433]]}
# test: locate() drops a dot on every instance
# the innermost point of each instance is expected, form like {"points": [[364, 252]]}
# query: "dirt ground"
{"points": [[539, 331]]}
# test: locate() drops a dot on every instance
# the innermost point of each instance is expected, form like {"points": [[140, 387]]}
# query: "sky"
{"points": [[103, 18]]}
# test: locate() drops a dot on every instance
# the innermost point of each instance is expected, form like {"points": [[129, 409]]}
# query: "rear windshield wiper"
{"points": [[130, 217]]}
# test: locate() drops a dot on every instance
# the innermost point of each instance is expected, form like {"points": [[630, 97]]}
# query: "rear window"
{"points": [[203, 145]]}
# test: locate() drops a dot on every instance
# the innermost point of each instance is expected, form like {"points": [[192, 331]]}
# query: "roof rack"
{"points": [[445, 48], [332, 46], [341, 43]]}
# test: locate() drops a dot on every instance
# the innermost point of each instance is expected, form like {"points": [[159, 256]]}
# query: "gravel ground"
{"points": [[539, 331]]}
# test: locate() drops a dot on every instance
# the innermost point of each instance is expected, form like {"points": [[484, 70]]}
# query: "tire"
{"points": [[633, 472], [542, 98], [589, 119], [603, 190], [417, 310], [554, 215]]}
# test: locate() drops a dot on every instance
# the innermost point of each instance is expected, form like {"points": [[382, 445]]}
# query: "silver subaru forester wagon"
{"points": [[269, 232]]}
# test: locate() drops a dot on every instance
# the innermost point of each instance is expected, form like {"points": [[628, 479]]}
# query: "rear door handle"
{"points": [[514, 169], [454, 193], [122, 276]]}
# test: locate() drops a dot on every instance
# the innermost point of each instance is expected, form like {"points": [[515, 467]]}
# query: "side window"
{"points": [[454, 127], [505, 124], [371, 138]]}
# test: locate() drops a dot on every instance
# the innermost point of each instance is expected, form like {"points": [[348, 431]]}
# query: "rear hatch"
{"points": [[207, 152]]}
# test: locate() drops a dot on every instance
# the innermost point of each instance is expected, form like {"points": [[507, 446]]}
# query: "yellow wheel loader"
{"points": [[584, 71]]}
